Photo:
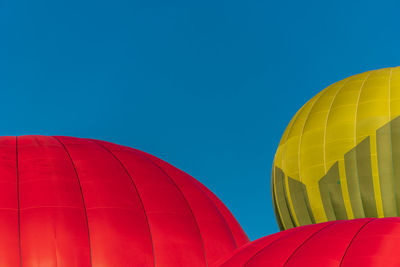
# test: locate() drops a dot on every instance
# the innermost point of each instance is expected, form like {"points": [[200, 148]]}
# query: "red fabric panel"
{"points": [[9, 229], [237, 231], [241, 256], [363, 242], [377, 244], [217, 237], [278, 253], [176, 236], [328, 246], [118, 225], [53, 222]]}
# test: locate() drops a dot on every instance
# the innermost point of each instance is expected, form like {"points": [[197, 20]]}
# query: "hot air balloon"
{"points": [[339, 157], [70, 202], [367, 242]]}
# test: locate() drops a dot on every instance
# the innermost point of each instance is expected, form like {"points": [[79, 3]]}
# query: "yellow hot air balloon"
{"points": [[339, 157]]}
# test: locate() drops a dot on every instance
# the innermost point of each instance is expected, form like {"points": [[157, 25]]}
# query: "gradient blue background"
{"points": [[207, 85]]}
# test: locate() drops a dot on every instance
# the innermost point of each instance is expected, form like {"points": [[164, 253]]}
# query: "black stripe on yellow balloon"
{"points": [[281, 199], [388, 150], [331, 194], [300, 202], [359, 180], [276, 211]]}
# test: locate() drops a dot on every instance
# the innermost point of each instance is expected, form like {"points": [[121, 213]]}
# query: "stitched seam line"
{"points": [[351, 242], [134, 185], [83, 199], [187, 203], [310, 237]]}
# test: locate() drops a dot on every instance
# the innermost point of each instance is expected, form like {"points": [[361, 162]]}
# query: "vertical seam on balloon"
{"points": [[308, 239], [187, 203], [137, 191], [219, 211], [327, 118], [304, 126], [19, 209], [357, 103], [351, 241], [83, 199]]}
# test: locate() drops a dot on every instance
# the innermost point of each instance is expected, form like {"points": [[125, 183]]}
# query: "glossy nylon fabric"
{"points": [[69, 202], [366, 242], [339, 157]]}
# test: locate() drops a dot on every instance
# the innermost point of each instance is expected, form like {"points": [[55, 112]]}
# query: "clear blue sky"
{"points": [[207, 85]]}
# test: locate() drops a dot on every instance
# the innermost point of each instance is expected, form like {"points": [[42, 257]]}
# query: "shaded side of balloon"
{"points": [[358, 171]]}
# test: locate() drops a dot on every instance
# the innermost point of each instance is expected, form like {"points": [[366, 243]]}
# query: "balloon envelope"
{"points": [[68, 201], [366, 242], [339, 157]]}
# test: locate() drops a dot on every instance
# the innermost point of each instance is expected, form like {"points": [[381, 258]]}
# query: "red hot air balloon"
{"points": [[70, 202], [364, 242]]}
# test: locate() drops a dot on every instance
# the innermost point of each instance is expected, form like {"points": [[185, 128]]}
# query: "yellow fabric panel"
{"points": [[395, 93], [373, 105], [282, 144], [290, 158]]}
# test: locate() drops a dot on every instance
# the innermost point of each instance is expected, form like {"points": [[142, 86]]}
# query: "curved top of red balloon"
{"points": [[68, 201]]}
